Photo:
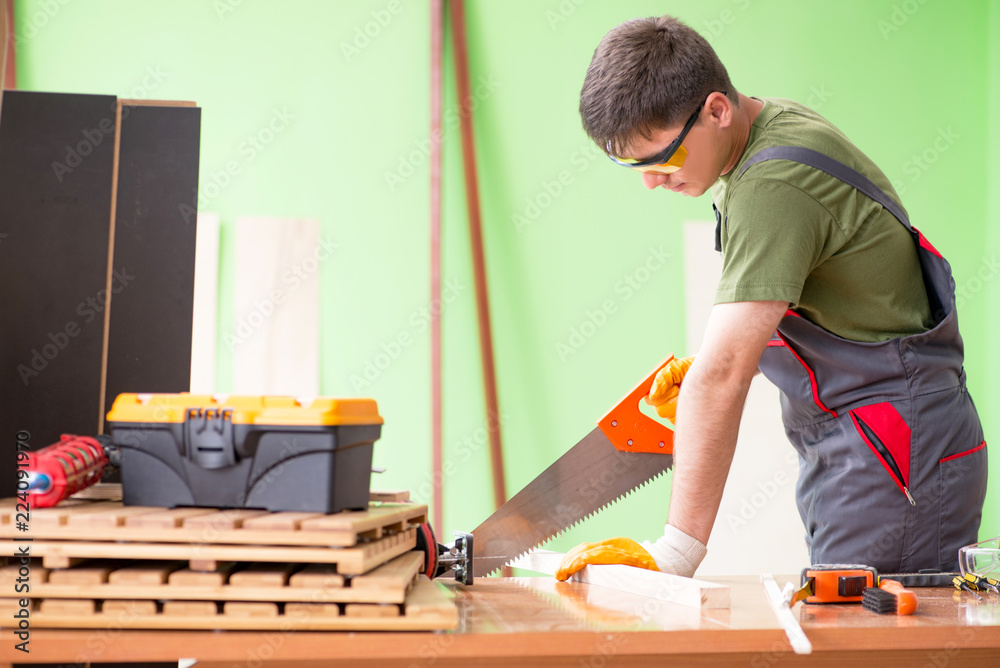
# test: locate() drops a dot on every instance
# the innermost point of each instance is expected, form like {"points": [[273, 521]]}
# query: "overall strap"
{"points": [[838, 170]]}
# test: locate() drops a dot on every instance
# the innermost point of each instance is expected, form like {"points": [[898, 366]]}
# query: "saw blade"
{"points": [[586, 478]]}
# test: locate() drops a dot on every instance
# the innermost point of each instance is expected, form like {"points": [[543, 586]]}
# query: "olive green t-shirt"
{"points": [[793, 233]]}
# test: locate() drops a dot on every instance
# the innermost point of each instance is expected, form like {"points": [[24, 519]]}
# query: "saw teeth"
{"points": [[579, 521]]}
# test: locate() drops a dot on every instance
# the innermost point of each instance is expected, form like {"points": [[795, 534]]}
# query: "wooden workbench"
{"points": [[538, 622]]}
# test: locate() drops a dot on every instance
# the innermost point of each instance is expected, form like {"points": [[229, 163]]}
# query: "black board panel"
{"points": [[149, 347], [56, 166]]}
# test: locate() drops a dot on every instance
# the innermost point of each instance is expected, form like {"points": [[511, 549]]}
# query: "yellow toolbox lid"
{"points": [[259, 409]]}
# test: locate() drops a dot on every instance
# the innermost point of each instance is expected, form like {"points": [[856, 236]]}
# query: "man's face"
{"points": [[705, 154]]}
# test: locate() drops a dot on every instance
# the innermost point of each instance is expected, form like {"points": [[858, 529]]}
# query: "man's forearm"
{"points": [[708, 420]]}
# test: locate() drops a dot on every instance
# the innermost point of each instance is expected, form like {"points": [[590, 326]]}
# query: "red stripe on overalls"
{"points": [[812, 376], [963, 454], [926, 245]]}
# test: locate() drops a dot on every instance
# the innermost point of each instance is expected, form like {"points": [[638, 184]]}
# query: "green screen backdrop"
{"points": [[584, 265]]}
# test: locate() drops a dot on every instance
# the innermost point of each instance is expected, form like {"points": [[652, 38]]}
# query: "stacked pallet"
{"points": [[95, 562]]}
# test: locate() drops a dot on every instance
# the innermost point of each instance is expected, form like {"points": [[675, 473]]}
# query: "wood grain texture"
{"points": [[78, 520], [652, 584], [275, 337], [432, 609], [110, 580], [534, 622], [350, 560]]}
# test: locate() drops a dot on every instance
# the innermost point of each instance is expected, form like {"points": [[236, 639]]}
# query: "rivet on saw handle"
{"points": [[630, 430]]}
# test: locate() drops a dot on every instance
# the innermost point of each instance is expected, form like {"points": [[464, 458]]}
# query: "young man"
{"points": [[825, 288]]}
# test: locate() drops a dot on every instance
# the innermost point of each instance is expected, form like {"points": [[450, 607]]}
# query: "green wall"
{"points": [[568, 236]]}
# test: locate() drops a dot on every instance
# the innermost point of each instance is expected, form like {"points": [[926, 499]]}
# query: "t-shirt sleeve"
{"points": [[773, 237]]}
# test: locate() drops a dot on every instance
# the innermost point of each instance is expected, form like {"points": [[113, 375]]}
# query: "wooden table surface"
{"points": [[540, 622]]}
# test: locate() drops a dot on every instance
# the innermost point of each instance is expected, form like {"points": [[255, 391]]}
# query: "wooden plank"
{"points": [[128, 608], [350, 560], [295, 610], [78, 520], [317, 576], [190, 608], [275, 341], [58, 606], [262, 575], [653, 584], [206, 304], [86, 574], [51, 518], [166, 519], [389, 495], [377, 519], [186, 577], [290, 521], [396, 574], [144, 573], [224, 520], [246, 609], [257, 582], [368, 610], [53, 561], [429, 600], [427, 607], [206, 565], [106, 517]]}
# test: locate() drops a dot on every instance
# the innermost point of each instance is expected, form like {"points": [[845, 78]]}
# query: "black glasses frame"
{"points": [[664, 156]]}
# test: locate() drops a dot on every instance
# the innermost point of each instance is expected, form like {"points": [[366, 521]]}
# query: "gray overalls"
{"points": [[892, 461]]}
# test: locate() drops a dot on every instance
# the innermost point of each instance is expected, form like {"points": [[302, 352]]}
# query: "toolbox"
{"points": [[270, 452]]}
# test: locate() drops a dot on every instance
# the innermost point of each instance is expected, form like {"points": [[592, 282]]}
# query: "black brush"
{"points": [[879, 601], [889, 598]]}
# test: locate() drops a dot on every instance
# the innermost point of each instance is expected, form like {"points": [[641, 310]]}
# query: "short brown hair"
{"points": [[648, 74]]}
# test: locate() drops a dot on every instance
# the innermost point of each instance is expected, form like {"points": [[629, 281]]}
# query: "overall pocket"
{"points": [[888, 436]]}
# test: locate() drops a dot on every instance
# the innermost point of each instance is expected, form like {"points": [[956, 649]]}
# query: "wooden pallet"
{"points": [[355, 560], [164, 580], [426, 607], [77, 519]]}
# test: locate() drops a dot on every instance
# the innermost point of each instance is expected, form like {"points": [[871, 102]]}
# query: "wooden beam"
{"points": [[437, 47], [651, 584], [476, 237], [8, 54]]}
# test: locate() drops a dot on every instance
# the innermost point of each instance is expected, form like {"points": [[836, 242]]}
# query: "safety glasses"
{"points": [[667, 161]]}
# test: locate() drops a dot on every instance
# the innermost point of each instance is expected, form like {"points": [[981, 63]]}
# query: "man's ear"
{"points": [[721, 109]]}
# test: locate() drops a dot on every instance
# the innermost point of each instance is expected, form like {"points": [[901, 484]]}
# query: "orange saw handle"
{"points": [[629, 429]]}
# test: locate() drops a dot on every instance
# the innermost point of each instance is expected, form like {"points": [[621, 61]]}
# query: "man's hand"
{"points": [[611, 551], [667, 387], [675, 552]]}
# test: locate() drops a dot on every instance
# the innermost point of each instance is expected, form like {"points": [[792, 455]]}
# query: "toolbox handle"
{"points": [[629, 429], [208, 432]]}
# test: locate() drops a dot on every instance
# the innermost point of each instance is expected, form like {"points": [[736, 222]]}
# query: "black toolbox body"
{"points": [[245, 452]]}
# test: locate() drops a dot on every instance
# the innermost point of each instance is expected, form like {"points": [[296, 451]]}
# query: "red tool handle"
{"points": [[64, 468], [630, 430]]}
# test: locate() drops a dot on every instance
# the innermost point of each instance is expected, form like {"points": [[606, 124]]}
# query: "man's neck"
{"points": [[743, 119]]}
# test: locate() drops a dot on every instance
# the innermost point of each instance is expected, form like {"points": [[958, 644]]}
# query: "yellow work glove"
{"points": [[667, 386], [611, 551]]}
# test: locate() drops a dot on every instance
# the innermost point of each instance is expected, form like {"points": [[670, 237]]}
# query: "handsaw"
{"points": [[626, 450]]}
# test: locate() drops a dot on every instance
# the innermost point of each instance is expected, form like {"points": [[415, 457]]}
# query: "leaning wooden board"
{"points": [[427, 608], [83, 520]]}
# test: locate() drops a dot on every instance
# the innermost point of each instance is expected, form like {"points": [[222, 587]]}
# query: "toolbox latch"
{"points": [[209, 437]]}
